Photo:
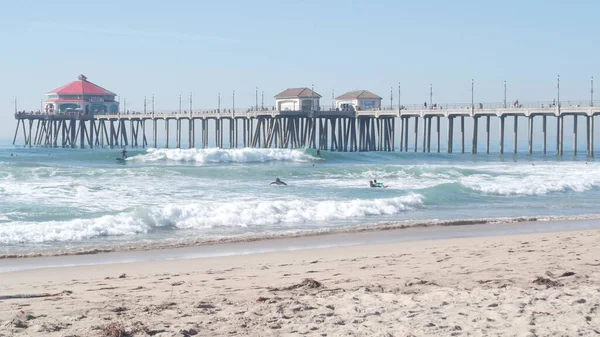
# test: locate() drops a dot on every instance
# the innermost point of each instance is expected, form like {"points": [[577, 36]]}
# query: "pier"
{"points": [[82, 114], [346, 131]]}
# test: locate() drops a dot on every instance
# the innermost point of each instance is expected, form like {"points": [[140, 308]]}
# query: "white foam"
{"points": [[204, 215], [488, 178], [207, 156], [540, 179]]}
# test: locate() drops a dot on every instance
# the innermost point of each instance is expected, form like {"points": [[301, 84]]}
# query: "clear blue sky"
{"points": [[168, 48]]}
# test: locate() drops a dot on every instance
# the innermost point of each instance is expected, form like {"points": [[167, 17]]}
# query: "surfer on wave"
{"points": [[123, 154], [278, 182], [374, 183]]}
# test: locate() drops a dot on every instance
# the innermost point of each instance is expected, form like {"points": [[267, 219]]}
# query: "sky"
{"points": [[171, 48]]}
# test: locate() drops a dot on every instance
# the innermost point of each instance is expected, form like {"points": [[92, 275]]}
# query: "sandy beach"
{"points": [[543, 284]]}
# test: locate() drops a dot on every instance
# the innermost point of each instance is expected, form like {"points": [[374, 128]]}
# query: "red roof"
{"points": [[81, 87], [65, 100]]}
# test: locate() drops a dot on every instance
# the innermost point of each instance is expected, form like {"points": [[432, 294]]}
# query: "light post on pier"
{"points": [[262, 100], [399, 106], [391, 98], [430, 96], [472, 95], [152, 105], [256, 99], [144, 105], [219, 102], [592, 91], [312, 100], [332, 99], [233, 102], [180, 104], [504, 94], [190, 104], [558, 92]]}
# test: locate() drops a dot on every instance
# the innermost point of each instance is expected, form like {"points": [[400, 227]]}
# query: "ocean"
{"points": [[72, 201]]}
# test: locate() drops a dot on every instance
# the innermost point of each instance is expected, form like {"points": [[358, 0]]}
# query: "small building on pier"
{"points": [[297, 99], [80, 97], [358, 100]]}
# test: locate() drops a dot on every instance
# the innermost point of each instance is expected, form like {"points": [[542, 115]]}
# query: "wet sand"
{"points": [[539, 284]]}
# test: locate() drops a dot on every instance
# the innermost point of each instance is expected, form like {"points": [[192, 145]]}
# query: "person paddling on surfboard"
{"points": [[278, 182], [376, 184]]}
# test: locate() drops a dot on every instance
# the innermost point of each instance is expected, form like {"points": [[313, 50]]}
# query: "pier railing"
{"points": [[255, 111]]}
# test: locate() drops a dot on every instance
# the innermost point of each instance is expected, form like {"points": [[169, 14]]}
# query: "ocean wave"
{"points": [[502, 179], [295, 233], [203, 215], [208, 156], [529, 180]]}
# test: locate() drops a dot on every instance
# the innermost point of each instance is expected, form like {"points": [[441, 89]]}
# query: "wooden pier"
{"points": [[346, 131]]}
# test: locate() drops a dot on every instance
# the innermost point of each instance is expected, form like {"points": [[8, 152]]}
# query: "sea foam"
{"points": [[204, 215], [207, 156]]}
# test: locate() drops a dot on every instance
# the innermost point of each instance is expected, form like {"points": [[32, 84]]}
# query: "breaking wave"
{"points": [[209, 156], [255, 214]]}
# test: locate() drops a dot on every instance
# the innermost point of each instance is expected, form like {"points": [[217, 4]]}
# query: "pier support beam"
{"points": [[516, 127], [167, 133], [591, 136], [560, 135], [192, 133], [544, 135], [587, 134], [406, 126], [401, 134], [462, 134], [429, 135], [437, 125], [502, 134], [487, 134], [426, 121], [450, 133], [530, 134], [474, 136], [574, 135], [154, 133], [416, 132]]}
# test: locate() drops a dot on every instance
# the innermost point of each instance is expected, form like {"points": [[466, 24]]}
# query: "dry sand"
{"points": [[455, 287]]}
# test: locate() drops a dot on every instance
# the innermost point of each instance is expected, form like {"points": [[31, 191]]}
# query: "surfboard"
{"points": [[120, 160]]}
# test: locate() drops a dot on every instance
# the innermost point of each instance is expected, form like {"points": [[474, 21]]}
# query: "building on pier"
{"points": [[297, 99], [358, 100], [80, 97]]}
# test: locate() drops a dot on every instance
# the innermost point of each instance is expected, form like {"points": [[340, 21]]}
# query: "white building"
{"points": [[297, 99], [358, 100]]}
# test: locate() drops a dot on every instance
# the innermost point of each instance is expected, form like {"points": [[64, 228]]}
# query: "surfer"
{"points": [[376, 184], [123, 154], [278, 182], [319, 152]]}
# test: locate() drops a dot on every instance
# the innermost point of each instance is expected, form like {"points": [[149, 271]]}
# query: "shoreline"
{"points": [[535, 284], [392, 232]]}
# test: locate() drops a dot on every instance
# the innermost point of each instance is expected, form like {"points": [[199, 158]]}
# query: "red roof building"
{"points": [[81, 96]]}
